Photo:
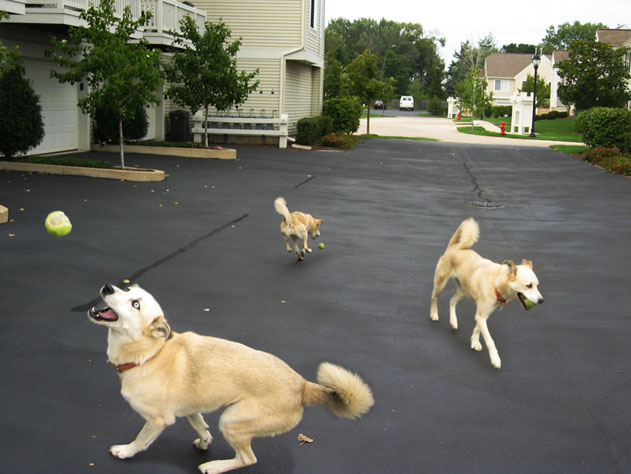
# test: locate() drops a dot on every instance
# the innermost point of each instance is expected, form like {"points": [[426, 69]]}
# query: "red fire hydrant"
{"points": [[503, 127], [458, 116]]}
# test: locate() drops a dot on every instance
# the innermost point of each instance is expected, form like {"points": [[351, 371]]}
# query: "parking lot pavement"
{"points": [[207, 238]]}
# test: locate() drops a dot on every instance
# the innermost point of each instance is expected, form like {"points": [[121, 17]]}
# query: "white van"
{"points": [[406, 102]]}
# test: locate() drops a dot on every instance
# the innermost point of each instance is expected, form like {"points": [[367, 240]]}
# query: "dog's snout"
{"points": [[107, 289], [540, 300]]}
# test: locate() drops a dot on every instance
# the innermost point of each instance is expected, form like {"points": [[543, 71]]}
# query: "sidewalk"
{"points": [[444, 130]]}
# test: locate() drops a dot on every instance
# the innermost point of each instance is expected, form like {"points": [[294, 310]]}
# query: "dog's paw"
{"points": [[301, 255], [476, 346], [496, 361], [123, 451], [454, 323], [202, 444], [433, 316], [308, 250]]}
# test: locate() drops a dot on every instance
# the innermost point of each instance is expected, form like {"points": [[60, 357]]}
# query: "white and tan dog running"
{"points": [[489, 284], [165, 375], [297, 226]]}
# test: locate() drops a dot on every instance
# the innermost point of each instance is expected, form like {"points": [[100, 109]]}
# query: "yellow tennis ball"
{"points": [[321, 246], [58, 224]]}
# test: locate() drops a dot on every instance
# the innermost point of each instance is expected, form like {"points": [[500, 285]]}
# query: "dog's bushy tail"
{"points": [[339, 390], [281, 207], [466, 235]]}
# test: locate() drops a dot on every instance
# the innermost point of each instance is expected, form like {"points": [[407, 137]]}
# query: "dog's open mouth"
{"points": [[103, 314]]}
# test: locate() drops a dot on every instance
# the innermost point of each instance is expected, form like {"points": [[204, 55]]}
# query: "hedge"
{"points": [[345, 113], [312, 129], [604, 127]]}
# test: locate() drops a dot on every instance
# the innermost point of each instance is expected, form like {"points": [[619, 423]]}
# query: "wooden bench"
{"points": [[252, 126]]}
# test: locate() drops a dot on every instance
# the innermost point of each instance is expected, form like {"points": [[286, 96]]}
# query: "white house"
{"points": [[30, 27], [506, 72]]}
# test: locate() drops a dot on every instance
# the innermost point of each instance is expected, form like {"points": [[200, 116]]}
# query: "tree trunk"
{"points": [[121, 141], [206, 127], [368, 122]]}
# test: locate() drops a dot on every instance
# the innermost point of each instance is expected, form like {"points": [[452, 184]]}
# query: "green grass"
{"points": [[557, 130], [66, 161], [368, 137], [375, 115], [570, 149]]}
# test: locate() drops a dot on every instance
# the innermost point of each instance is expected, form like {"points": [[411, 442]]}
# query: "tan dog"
{"points": [[490, 285], [165, 375], [297, 226]]}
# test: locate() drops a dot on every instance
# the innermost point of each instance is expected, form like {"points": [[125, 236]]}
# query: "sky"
{"points": [[460, 20]]}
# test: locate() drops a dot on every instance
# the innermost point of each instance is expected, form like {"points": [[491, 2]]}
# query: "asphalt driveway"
{"points": [[208, 238]]}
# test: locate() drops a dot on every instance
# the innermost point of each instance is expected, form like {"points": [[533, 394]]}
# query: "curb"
{"points": [[127, 174], [221, 154]]}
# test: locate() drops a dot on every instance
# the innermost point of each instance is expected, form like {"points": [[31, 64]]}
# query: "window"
{"points": [[313, 20], [627, 61], [501, 85]]}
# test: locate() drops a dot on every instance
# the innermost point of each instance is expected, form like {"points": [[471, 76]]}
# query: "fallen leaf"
{"points": [[126, 281], [11, 235], [302, 439], [207, 310]]}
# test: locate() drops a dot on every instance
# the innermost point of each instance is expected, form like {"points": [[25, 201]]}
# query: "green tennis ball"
{"points": [[529, 304], [321, 246], [58, 224]]}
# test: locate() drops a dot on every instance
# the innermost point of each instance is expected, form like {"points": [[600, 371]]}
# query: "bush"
{"points": [[625, 142], [339, 140], [344, 112], [21, 125], [552, 115], [604, 126], [311, 129], [501, 110], [106, 130], [609, 159], [436, 107]]}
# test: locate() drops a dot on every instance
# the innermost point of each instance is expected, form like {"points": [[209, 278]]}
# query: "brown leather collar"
{"points": [[501, 301], [123, 367]]}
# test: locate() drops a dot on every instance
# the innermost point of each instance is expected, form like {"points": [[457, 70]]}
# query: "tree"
{"points": [[472, 95], [594, 75], [333, 70], [520, 48], [21, 125], [363, 81], [543, 90], [468, 58], [122, 75], [206, 70], [564, 35]]}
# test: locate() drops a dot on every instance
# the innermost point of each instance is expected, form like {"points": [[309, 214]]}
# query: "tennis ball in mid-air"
{"points": [[321, 246], [58, 224]]}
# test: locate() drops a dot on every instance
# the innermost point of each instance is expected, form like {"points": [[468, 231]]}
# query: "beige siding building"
{"points": [[284, 39]]}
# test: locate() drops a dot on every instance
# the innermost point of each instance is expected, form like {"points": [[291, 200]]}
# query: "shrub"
{"points": [[609, 159], [436, 107], [604, 126], [625, 142], [344, 112], [106, 130], [21, 125], [502, 110], [552, 115], [311, 129], [339, 140]]}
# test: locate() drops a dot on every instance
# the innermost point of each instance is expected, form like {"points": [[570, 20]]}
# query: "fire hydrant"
{"points": [[503, 127], [458, 116]]}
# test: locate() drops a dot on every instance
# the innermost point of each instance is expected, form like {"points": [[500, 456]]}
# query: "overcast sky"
{"points": [[461, 20]]}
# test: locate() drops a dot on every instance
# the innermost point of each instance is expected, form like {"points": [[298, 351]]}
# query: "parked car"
{"points": [[406, 102], [378, 105]]}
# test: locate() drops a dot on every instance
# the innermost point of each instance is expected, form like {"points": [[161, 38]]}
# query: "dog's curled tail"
{"points": [[466, 235], [339, 390], [281, 207]]}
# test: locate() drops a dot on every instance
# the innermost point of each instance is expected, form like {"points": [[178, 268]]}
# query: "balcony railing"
{"points": [[166, 14]]}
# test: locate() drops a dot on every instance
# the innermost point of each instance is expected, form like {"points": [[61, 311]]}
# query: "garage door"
{"points": [[59, 108]]}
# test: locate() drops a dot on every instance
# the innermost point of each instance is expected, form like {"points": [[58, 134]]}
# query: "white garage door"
{"points": [[59, 108]]}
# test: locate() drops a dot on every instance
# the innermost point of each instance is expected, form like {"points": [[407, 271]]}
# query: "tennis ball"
{"points": [[529, 304], [321, 246], [58, 224]]}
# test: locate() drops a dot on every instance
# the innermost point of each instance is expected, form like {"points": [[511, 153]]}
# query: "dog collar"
{"points": [[123, 367], [501, 301]]}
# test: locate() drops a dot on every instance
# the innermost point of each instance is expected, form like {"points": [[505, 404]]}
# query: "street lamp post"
{"points": [[535, 62]]}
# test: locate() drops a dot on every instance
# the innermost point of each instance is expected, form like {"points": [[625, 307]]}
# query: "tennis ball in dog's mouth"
{"points": [[529, 304], [58, 224], [321, 246]]}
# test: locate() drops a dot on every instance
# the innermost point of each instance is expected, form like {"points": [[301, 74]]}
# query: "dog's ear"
{"points": [[158, 328], [512, 268], [527, 263], [319, 221]]}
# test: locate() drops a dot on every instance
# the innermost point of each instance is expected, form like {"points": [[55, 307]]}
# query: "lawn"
{"points": [[558, 130]]}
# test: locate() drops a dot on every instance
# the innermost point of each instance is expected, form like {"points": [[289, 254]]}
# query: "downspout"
{"points": [[283, 60]]}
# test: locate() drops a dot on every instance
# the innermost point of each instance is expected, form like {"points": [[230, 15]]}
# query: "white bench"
{"points": [[253, 126]]}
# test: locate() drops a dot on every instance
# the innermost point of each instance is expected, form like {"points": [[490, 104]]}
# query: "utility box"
{"points": [[178, 120]]}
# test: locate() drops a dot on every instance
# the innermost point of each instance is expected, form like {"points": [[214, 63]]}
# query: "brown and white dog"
{"points": [[490, 285], [297, 226], [165, 375]]}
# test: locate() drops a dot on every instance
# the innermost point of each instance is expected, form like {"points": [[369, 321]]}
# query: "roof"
{"points": [[506, 64], [615, 38], [559, 55]]}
